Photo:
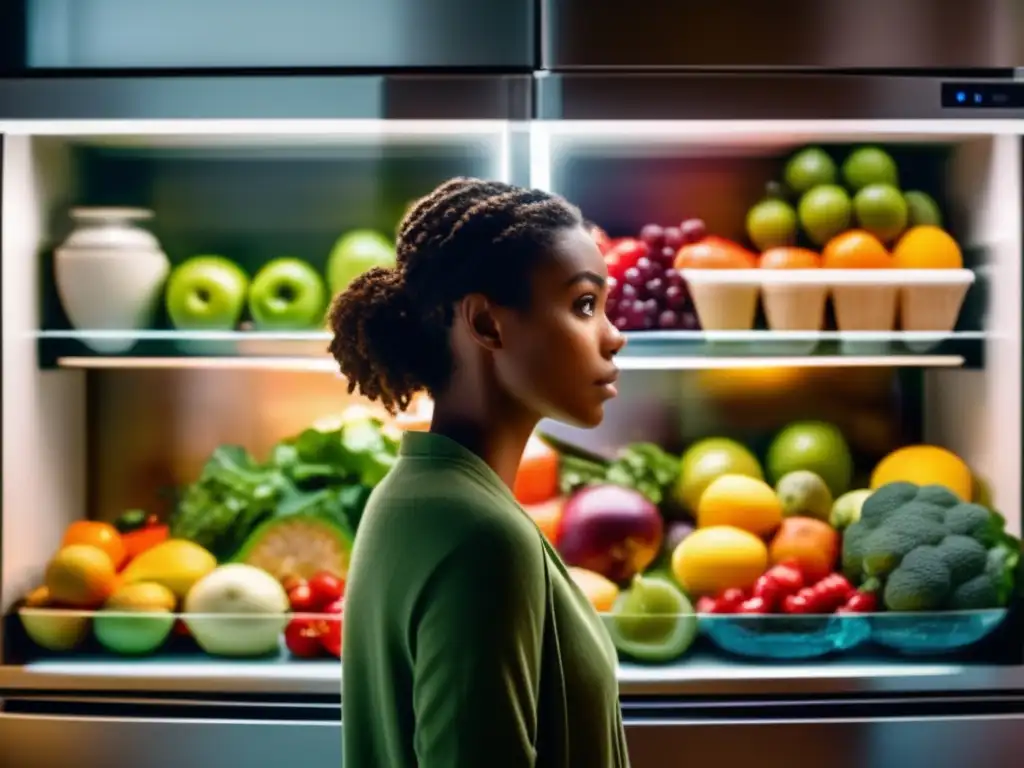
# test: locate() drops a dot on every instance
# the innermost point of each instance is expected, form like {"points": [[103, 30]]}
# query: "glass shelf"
{"points": [[647, 350]]}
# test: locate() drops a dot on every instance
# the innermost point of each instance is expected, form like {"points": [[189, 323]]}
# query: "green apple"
{"points": [[206, 293], [287, 295], [356, 252]]}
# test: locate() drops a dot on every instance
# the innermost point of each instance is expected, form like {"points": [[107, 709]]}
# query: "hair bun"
{"points": [[378, 337]]}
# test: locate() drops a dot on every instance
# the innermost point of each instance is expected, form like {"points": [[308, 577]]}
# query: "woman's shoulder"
{"points": [[448, 502]]}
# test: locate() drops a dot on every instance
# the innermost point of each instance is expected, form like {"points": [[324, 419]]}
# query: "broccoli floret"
{"points": [[920, 583], [964, 557], [939, 495], [976, 594], [928, 550], [853, 551], [975, 521], [886, 500], [911, 527]]}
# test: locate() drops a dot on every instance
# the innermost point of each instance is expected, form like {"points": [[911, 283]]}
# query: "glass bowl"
{"points": [[934, 633], [784, 636]]}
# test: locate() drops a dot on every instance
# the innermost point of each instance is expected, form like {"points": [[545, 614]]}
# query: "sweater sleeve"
{"points": [[476, 643]]}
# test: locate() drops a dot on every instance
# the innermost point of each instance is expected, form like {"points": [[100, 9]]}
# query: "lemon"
{"points": [[740, 501], [713, 559]]}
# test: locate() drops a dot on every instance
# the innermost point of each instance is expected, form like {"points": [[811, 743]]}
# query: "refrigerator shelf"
{"points": [[701, 673], [649, 350]]}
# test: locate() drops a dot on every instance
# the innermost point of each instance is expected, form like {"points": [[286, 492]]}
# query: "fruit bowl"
{"points": [[785, 637], [56, 630], [934, 633]]}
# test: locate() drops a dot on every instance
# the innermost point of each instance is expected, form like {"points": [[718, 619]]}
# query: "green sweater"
{"points": [[466, 642]]}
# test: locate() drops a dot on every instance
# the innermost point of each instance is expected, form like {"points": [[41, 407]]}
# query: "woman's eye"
{"points": [[587, 305]]}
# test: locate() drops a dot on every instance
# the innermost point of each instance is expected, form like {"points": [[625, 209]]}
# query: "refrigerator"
{"points": [[643, 117]]}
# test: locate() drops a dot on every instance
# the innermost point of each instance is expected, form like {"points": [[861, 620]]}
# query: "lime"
{"points": [[825, 212], [652, 620], [809, 168], [869, 165], [804, 494], [770, 224], [707, 460], [922, 209], [815, 446], [881, 210]]}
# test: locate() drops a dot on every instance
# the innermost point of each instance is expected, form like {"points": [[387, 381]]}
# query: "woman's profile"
{"points": [[466, 643]]}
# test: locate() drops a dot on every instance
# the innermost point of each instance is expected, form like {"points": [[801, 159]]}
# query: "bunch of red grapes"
{"points": [[645, 289]]}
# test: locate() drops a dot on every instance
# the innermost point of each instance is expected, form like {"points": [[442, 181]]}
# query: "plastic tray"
{"points": [[920, 300]]}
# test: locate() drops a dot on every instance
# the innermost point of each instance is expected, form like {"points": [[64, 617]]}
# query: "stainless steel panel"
{"points": [[933, 742], [98, 742], [782, 33], [325, 97], [76, 34], [747, 96]]}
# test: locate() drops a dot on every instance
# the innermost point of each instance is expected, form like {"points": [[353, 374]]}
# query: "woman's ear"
{"points": [[477, 314]]}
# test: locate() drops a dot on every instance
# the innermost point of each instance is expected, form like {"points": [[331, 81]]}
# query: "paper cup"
{"points": [[725, 299], [931, 307], [794, 307], [865, 307]]}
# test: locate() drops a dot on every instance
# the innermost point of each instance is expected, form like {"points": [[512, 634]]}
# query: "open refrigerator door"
{"points": [[874, 361]]}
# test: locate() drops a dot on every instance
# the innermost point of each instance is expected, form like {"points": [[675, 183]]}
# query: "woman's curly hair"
{"points": [[391, 325]]}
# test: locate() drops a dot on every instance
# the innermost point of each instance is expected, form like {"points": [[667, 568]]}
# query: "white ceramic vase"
{"points": [[110, 273]]}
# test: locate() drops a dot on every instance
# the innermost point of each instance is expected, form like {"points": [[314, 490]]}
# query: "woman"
{"points": [[467, 645]]}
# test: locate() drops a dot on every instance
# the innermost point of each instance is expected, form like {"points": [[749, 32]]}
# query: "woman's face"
{"points": [[557, 357]]}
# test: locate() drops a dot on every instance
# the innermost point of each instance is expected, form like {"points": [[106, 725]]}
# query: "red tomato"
{"points": [[624, 255], [302, 636], [537, 477], [302, 600], [326, 588], [331, 635]]}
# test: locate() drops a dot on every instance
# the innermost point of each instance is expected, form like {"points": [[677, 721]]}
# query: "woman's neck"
{"points": [[497, 432]]}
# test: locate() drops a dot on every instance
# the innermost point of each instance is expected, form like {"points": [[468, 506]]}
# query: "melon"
{"points": [[298, 546], [237, 610]]}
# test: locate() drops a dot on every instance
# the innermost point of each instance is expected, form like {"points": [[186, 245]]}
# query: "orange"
{"points": [[855, 249], [925, 465], [599, 591], [80, 576], [547, 515], [714, 559], [714, 254], [812, 544], [100, 535], [742, 502], [927, 247], [789, 258], [537, 476]]}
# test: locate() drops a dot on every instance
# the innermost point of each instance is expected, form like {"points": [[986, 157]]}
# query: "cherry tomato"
{"points": [[860, 602], [326, 588], [331, 636], [753, 605], [730, 600], [302, 600], [707, 605], [798, 603], [181, 629], [302, 636]]}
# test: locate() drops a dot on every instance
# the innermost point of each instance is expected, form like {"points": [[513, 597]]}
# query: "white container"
{"points": [[110, 275], [864, 299], [794, 299], [725, 299], [930, 299]]}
